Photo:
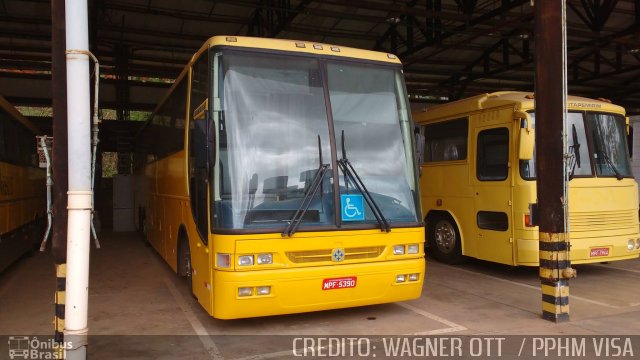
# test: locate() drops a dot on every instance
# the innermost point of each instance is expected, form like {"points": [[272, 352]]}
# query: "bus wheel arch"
{"points": [[443, 237]]}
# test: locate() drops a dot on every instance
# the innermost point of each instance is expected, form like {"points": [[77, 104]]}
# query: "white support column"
{"points": [[79, 162]]}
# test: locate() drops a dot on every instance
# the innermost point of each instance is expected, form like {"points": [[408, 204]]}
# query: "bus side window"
{"points": [[446, 141]]}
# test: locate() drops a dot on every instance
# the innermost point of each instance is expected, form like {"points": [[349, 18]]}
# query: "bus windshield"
{"points": [[274, 136], [601, 141], [610, 152]]}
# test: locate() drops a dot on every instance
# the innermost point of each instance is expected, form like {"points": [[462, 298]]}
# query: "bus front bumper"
{"points": [[296, 290], [583, 250]]}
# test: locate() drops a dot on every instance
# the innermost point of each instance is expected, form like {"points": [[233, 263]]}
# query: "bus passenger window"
{"points": [[446, 141], [493, 154]]}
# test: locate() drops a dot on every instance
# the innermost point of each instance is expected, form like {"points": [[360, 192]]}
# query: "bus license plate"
{"points": [[339, 283], [599, 252]]}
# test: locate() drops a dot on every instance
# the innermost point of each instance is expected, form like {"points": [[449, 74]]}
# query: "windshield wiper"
{"points": [[350, 173], [316, 183], [575, 148], [606, 157], [613, 167]]}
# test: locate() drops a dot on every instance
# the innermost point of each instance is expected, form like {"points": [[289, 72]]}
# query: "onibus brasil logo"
{"points": [[24, 347]]}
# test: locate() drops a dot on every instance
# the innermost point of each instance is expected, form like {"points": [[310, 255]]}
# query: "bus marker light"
{"points": [[245, 291], [335, 48], [232, 39], [223, 260], [265, 259], [317, 46], [398, 249], [413, 248], [401, 278], [439, 202], [245, 260], [301, 45], [263, 290], [527, 220]]}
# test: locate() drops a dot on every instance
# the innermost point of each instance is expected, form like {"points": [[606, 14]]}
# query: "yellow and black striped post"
{"points": [[552, 178], [555, 272], [60, 300]]}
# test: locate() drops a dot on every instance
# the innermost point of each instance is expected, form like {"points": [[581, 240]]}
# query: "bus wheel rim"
{"points": [[445, 237]]}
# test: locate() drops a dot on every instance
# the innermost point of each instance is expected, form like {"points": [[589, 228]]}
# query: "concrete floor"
{"points": [[133, 292]]}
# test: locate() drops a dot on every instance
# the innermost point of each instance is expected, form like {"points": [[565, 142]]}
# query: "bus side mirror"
{"points": [[626, 119], [527, 141], [527, 138]]}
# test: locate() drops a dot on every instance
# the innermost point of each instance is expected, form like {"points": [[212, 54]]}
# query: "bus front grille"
{"points": [[602, 220], [325, 254]]}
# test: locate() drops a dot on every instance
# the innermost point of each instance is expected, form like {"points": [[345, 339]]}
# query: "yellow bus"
{"points": [[478, 179], [22, 186], [279, 177]]}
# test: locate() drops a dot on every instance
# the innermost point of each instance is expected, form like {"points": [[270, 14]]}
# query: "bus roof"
{"points": [[307, 47], [519, 100], [6, 105]]}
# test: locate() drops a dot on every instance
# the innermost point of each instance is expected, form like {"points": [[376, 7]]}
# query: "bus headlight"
{"points": [[413, 248], [413, 277], [263, 290], [637, 243], [631, 244], [223, 260], [398, 249], [401, 278], [245, 291], [265, 259], [245, 260]]}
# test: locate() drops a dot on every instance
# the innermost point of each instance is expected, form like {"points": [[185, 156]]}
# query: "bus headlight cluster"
{"points": [[265, 259], [406, 249], [260, 259], [245, 260], [250, 291], [407, 277]]}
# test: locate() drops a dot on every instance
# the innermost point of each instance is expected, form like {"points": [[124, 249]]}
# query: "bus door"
{"points": [[493, 198]]}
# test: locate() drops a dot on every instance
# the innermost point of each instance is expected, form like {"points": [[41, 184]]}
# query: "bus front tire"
{"points": [[444, 239], [185, 269]]}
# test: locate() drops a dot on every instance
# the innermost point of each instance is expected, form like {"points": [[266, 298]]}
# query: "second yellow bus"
{"points": [[478, 179]]}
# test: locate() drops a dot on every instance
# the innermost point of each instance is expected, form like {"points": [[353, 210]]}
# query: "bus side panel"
{"points": [[22, 204], [172, 191]]}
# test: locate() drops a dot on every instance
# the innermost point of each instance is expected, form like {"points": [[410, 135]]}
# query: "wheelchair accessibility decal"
{"points": [[352, 207]]}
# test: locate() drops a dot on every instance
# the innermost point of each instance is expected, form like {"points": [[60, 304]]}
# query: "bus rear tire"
{"points": [[444, 239]]}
